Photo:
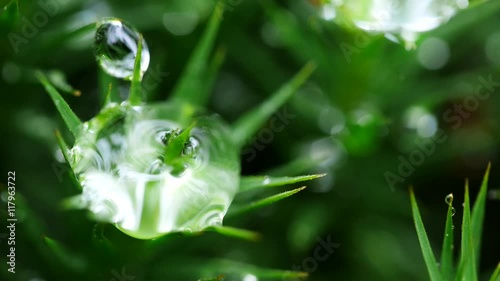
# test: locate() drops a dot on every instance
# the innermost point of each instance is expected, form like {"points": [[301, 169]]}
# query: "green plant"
{"points": [[472, 227], [174, 169]]}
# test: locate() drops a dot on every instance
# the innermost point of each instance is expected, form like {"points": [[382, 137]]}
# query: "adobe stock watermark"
{"points": [[320, 254], [454, 116], [121, 276], [30, 28], [362, 38], [265, 136]]}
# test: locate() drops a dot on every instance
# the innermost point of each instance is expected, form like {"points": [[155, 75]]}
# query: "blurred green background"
{"points": [[355, 119]]}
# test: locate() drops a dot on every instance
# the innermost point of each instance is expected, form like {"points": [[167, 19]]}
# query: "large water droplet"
{"points": [[119, 161], [449, 199], [116, 48], [405, 18]]}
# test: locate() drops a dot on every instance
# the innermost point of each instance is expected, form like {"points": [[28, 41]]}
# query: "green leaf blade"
{"points": [[496, 274], [257, 182], [237, 210], [10, 13], [236, 233], [191, 87], [478, 213], [467, 267], [69, 117], [250, 123], [135, 97], [447, 251], [430, 260]]}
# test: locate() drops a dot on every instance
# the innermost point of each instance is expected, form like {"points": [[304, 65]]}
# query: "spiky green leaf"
{"points": [[236, 232], [250, 123], [430, 260], [69, 117], [255, 182], [194, 78], [447, 251], [135, 97], [477, 219], [467, 265], [240, 209], [496, 274]]}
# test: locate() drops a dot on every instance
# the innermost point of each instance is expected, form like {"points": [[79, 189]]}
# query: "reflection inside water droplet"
{"points": [[191, 147], [116, 46], [404, 18], [121, 167]]}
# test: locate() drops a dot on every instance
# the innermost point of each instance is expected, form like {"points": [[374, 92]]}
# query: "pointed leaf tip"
{"points": [[249, 124], [69, 117], [236, 233], [478, 214], [263, 202], [255, 182], [425, 246], [192, 87], [135, 97]]}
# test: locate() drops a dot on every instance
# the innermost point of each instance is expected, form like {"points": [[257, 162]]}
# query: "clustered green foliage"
{"points": [[470, 249], [259, 45]]}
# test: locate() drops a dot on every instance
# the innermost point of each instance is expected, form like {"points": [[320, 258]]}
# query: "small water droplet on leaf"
{"points": [[449, 199]]}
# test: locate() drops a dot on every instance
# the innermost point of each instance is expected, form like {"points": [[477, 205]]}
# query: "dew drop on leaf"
{"points": [[116, 47], [449, 199], [453, 211], [266, 180]]}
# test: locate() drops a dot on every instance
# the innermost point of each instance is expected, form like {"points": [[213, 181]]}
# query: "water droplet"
{"points": [[406, 19], [452, 226], [167, 135], [156, 167], [449, 199], [266, 180], [250, 277], [453, 211], [124, 176], [116, 48]]}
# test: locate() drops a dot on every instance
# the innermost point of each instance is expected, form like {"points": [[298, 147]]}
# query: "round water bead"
{"points": [[116, 45], [119, 157], [403, 18]]}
